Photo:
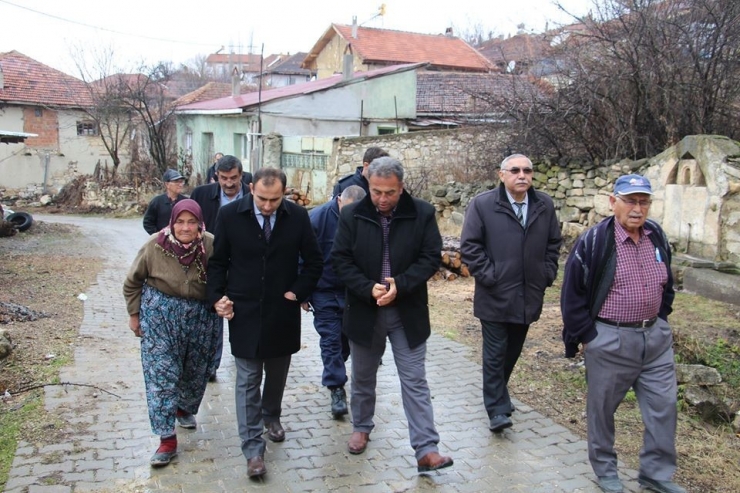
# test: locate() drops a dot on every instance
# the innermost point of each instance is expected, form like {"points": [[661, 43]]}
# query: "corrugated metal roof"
{"points": [[228, 104]]}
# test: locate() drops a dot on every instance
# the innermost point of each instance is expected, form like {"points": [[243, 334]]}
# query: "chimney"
{"points": [[449, 33], [348, 63], [235, 89], [2, 78], [347, 66], [354, 27]]}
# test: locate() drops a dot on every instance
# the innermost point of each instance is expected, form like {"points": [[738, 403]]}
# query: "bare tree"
{"points": [[147, 96], [194, 74], [634, 77], [105, 106], [475, 33]]}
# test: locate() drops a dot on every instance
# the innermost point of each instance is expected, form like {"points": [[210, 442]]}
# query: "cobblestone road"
{"points": [[112, 441]]}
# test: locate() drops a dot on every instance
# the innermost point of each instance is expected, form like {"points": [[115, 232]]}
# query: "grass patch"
{"points": [[11, 425]]}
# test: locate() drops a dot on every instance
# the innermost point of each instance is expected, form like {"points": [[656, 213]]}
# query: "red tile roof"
{"points": [[27, 81], [210, 91], [235, 104], [385, 46]]}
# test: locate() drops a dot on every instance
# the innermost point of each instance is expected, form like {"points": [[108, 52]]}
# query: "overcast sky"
{"points": [[147, 31]]}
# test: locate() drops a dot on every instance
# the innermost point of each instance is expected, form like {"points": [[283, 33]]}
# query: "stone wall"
{"points": [[580, 192], [428, 157]]}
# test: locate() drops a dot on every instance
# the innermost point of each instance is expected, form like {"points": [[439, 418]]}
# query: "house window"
{"points": [[38, 112], [386, 130], [87, 128], [238, 147], [189, 142]]}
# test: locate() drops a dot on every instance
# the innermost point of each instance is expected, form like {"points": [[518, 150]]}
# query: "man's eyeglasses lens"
{"points": [[516, 171], [633, 202]]}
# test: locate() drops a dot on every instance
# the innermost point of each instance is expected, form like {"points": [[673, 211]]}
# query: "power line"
{"points": [[104, 28]]}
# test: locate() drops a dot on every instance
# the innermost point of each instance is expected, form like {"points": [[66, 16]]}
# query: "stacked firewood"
{"points": [[452, 265], [297, 196]]}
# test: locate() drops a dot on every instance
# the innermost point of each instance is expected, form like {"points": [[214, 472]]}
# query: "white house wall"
{"points": [[24, 166]]}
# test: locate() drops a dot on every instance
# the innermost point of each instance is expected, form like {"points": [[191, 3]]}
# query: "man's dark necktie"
{"points": [[519, 213], [266, 228]]}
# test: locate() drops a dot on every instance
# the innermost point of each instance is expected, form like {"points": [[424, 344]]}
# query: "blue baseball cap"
{"points": [[629, 184]]}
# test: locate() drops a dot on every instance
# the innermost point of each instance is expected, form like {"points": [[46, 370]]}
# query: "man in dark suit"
{"points": [[231, 183], [510, 241], [254, 281]]}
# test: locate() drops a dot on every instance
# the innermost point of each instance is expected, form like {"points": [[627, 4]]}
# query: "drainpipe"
{"points": [[47, 158]]}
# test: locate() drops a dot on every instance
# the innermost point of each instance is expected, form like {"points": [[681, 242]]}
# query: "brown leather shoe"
{"points": [[256, 467], [275, 431], [433, 461], [358, 442]]}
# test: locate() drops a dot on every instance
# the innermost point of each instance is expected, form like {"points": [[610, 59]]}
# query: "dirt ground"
{"points": [[709, 455], [42, 271]]}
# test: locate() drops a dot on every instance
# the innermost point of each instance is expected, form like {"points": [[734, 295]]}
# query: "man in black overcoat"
{"points": [[255, 282]]}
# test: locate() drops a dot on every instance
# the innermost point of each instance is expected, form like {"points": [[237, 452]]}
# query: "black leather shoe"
{"points": [[338, 402], [661, 486], [500, 422], [256, 467], [275, 431]]}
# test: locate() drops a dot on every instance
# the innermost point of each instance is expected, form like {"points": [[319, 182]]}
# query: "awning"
{"points": [[7, 137]]}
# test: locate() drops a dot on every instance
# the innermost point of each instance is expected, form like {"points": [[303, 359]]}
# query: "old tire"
{"points": [[21, 220]]}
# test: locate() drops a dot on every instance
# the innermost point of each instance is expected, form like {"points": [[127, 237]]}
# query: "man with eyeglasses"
{"points": [[616, 297], [511, 244]]}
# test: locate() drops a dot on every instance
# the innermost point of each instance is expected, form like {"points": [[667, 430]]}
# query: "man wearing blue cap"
{"points": [[616, 297]]}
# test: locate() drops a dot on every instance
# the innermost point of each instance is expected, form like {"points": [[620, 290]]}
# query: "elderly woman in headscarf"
{"points": [[165, 298]]}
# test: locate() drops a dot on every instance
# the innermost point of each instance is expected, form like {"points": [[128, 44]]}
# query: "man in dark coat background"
{"points": [[158, 213], [359, 177], [386, 248], [231, 184], [510, 241], [254, 281]]}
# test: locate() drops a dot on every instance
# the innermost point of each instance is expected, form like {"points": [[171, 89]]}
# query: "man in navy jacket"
{"points": [[616, 297], [328, 300]]}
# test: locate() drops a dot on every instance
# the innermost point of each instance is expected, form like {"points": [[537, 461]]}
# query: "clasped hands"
{"points": [[385, 295], [225, 307]]}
